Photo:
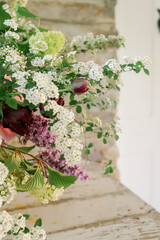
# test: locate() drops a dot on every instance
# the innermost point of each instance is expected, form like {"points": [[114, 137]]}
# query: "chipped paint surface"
{"points": [[99, 209]]}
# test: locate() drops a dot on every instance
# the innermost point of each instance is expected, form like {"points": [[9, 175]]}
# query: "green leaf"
{"points": [[139, 64], [9, 232], [12, 103], [146, 71], [109, 170], [12, 163], [87, 151], [60, 179], [88, 106], [104, 141], [26, 230], [23, 12], [110, 74], [3, 16], [36, 182], [2, 92], [73, 102], [62, 157], [110, 162], [90, 145], [118, 88], [116, 137], [115, 76], [78, 109], [99, 134], [42, 29], [2, 71], [30, 85], [23, 149], [38, 223], [72, 96], [27, 216], [89, 129]]}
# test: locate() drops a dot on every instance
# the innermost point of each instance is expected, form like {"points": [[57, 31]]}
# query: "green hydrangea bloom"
{"points": [[48, 193], [47, 42]]}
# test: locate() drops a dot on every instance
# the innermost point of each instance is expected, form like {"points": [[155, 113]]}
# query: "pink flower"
{"points": [[80, 85], [6, 134]]}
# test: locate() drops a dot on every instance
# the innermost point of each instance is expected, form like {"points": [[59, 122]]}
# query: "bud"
{"points": [[17, 120], [80, 85]]}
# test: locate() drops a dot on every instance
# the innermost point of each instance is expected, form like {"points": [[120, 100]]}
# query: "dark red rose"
{"points": [[80, 85], [18, 120]]}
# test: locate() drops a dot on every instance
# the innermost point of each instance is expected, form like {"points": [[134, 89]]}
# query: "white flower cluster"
{"points": [[11, 23], [40, 62], [119, 40], [88, 39], [10, 34], [56, 61], [7, 186], [19, 223], [3, 173], [67, 131], [113, 65], [71, 55], [145, 60], [44, 89], [71, 146], [14, 58], [98, 122], [16, 225], [48, 193], [52, 105], [6, 223], [96, 73], [38, 46], [83, 67], [7, 191], [76, 41]]}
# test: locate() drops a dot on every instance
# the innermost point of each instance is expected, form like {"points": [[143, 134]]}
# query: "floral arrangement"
{"points": [[44, 90]]}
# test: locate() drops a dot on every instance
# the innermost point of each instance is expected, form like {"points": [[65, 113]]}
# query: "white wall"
{"points": [[139, 107]]}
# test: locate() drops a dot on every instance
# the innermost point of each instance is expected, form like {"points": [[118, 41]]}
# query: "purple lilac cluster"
{"points": [[42, 137], [39, 133]]}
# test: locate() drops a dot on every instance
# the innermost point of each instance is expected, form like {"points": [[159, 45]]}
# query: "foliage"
{"points": [[39, 71]]}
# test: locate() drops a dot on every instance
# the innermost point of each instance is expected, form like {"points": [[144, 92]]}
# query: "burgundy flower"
{"points": [[18, 120], [80, 85], [60, 101]]}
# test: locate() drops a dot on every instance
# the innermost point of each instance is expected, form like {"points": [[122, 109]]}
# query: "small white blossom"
{"points": [[76, 41], [38, 233], [52, 105], [3, 172], [113, 65], [37, 62], [9, 34], [5, 6], [11, 23], [19, 222], [48, 193], [6, 222], [39, 46], [96, 73], [23, 236]]}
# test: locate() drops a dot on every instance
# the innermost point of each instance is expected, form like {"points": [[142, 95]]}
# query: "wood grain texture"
{"points": [[99, 209]]}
